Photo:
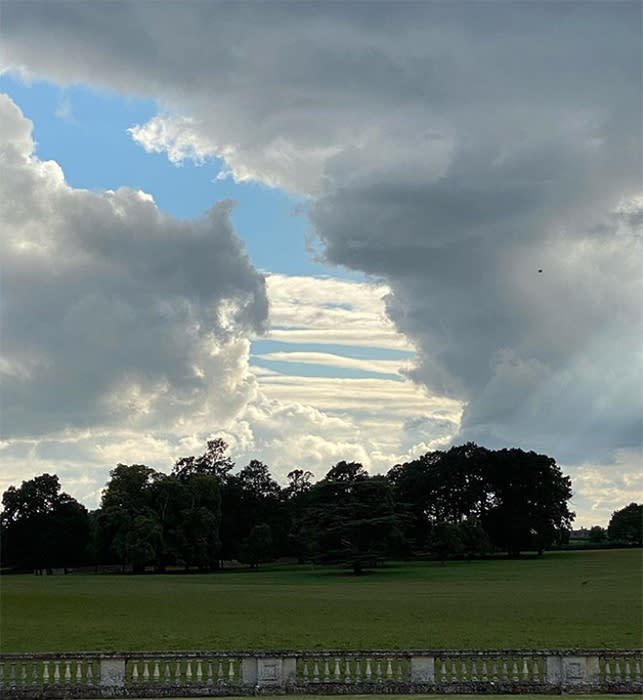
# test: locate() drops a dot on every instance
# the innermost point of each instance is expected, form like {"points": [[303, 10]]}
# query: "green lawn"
{"points": [[566, 599]]}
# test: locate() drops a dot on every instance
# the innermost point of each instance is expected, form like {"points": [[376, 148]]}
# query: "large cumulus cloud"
{"points": [[452, 149], [113, 313]]}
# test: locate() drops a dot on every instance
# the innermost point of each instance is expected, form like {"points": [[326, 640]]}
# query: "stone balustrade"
{"points": [[215, 673]]}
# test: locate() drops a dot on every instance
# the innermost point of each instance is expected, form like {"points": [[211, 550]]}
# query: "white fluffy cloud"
{"points": [[113, 313]]}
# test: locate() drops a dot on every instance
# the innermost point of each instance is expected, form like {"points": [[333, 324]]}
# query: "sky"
{"points": [[322, 231]]}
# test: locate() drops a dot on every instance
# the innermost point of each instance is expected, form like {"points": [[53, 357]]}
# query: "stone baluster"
{"points": [[166, 672], [199, 672], [34, 673], [474, 671], [525, 669], [45, 672], [231, 671], [358, 671], [316, 671], [326, 671], [146, 671], [368, 670], [188, 671], [304, 672], [628, 675], [389, 669], [210, 678], [463, 669], [399, 674], [535, 673], [90, 673], [378, 670], [637, 669], [336, 672], [220, 672], [56, 672], [134, 671], [347, 674]]}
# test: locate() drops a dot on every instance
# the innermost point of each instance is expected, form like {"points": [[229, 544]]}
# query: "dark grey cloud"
{"points": [[112, 310], [451, 149]]}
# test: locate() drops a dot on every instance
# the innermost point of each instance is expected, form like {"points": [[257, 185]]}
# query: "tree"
{"points": [[473, 538], [41, 527], [444, 540], [441, 487], [213, 461], [350, 517], [259, 500], [597, 534], [200, 520], [519, 498], [295, 496], [127, 520], [257, 547], [626, 525], [299, 483], [528, 498]]}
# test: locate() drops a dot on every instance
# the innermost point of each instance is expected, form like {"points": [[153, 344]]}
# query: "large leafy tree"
{"points": [[350, 517], [441, 487], [257, 547], [626, 525], [519, 498], [528, 501], [42, 527], [127, 519], [199, 543]]}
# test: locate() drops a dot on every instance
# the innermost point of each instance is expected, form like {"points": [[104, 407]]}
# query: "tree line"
{"points": [[467, 501]]}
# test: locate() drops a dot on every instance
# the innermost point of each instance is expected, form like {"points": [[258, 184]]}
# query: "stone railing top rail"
{"points": [[277, 653]]}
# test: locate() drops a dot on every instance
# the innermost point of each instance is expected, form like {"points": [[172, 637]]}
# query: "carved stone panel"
{"points": [[269, 671]]}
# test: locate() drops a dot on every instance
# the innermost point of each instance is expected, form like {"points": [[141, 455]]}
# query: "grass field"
{"points": [[565, 599]]}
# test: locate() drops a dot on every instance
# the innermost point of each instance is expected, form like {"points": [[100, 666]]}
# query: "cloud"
{"points": [[179, 138], [328, 359], [331, 311], [112, 312], [450, 150]]}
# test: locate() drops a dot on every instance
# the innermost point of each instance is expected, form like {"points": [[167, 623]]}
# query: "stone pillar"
{"points": [[553, 670], [289, 670], [422, 669], [249, 671], [112, 672]]}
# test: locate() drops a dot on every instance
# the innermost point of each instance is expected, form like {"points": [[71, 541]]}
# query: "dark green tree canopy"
{"points": [[213, 461], [43, 527], [519, 498], [626, 525], [349, 517]]}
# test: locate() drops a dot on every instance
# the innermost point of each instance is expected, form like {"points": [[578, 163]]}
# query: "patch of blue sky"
{"points": [[85, 131], [265, 347], [305, 369]]}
